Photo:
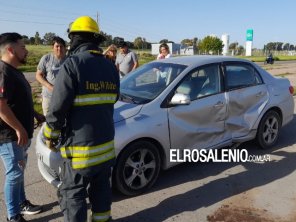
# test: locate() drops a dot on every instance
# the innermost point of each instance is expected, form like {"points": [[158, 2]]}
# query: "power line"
{"points": [[4, 4], [124, 30], [129, 30], [34, 22], [32, 14]]}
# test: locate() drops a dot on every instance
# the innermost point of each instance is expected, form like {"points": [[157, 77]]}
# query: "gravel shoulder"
{"points": [[287, 70]]}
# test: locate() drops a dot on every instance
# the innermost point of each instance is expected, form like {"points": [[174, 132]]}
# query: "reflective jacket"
{"points": [[81, 108]]}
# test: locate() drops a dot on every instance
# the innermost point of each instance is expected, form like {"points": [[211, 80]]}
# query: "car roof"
{"points": [[200, 60]]}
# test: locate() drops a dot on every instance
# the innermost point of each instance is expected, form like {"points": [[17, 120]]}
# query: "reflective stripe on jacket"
{"points": [[94, 99], [79, 163], [86, 151]]}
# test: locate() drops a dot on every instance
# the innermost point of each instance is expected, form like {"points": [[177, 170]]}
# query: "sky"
{"points": [[154, 20]]}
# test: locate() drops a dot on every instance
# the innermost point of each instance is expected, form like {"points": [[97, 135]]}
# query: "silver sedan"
{"points": [[196, 102]]}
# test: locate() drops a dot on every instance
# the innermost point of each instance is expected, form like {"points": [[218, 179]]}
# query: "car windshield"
{"points": [[147, 82]]}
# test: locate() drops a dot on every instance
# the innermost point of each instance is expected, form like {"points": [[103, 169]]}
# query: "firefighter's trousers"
{"points": [[77, 185]]}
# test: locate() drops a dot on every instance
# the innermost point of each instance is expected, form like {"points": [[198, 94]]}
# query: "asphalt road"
{"points": [[195, 192], [30, 76]]}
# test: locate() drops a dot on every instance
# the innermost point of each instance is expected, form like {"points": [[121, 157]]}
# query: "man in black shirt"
{"points": [[16, 124]]}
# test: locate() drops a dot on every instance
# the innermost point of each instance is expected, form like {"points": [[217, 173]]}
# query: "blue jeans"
{"points": [[14, 158]]}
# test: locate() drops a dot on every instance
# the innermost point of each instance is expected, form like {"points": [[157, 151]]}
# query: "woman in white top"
{"points": [[164, 51]]}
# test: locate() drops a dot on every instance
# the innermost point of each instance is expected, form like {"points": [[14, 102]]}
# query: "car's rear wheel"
{"points": [[137, 168], [268, 130]]}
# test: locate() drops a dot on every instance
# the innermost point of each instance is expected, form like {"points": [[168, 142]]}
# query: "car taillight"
{"points": [[291, 89]]}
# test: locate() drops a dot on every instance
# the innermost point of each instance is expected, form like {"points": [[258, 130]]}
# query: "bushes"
{"points": [[34, 56], [37, 51], [145, 58]]}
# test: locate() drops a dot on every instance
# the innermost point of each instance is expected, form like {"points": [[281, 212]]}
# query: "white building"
{"points": [[225, 40], [187, 50]]}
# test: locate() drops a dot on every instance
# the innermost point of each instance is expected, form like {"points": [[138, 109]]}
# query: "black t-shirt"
{"points": [[15, 88]]}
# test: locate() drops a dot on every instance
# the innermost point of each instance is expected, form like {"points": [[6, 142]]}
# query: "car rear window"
{"points": [[238, 76]]}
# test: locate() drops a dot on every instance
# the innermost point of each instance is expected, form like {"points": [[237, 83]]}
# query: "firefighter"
{"points": [[81, 114]]}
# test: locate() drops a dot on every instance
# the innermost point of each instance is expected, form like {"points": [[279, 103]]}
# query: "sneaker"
{"points": [[17, 218], [30, 209]]}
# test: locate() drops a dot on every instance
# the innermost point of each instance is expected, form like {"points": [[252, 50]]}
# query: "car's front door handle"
{"points": [[259, 94], [219, 104]]}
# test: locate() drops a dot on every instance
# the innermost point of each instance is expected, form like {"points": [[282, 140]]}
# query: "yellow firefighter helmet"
{"points": [[84, 24]]}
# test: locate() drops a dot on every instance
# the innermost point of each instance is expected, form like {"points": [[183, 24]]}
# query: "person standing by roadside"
{"points": [[16, 125], [81, 112], [164, 51], [126, 60], [48, 69], [110, 53]]}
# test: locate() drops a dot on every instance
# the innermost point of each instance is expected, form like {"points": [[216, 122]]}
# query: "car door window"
{"points": [[240, 76], [201, 82]]}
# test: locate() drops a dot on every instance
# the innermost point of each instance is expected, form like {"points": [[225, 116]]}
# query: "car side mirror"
{"points": [[180, 99]]}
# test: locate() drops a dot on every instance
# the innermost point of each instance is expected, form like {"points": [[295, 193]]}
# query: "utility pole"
{"points": [[98, 18]]}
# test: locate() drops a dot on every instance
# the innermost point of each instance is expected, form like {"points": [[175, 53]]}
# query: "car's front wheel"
{"points": [[268, 130], [137, 168]]}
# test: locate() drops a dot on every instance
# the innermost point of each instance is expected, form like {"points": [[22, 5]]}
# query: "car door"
{"points": [[247, 95], [201, 123]]}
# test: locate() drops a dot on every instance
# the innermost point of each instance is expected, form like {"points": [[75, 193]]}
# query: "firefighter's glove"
{"points": [[50, 137], [51, 144]]}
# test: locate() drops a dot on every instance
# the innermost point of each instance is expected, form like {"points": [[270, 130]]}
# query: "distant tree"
{"points": [[48, 38], [32, 40], [163, 41], [130, 44], [211, 44], [138, 42], [240, 50], [187, 42], [292, 47], [116, 40], [236, 48], [148, 45], [286, 46], [108, 39], [37, 38], [144, 43], [191, 42], [279, 46], [270, 46], [195, 44], [233, 46], [26, 39], [195, 39]]}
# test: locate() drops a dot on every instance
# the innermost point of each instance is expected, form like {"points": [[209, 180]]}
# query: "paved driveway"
{"points": [[196, 192]]}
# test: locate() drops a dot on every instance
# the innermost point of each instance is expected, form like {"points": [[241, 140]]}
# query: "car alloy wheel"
{"points": [[137, 168], [268, 130]]}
